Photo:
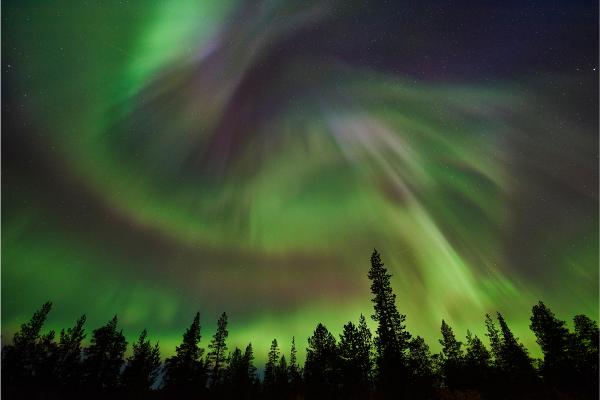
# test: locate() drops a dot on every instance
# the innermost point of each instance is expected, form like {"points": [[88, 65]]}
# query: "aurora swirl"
{"points": [[162, 158]]}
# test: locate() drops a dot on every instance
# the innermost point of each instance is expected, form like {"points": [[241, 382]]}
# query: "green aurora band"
{"points": [[151, 190]]}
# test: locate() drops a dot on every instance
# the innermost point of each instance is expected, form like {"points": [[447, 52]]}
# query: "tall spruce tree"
{"points": [[249, 360], [391, 341], [294, 372], [142, 367], [104, 357], [270, 378], [217, 350], [252, 374], [185, 373], [271, 366]]}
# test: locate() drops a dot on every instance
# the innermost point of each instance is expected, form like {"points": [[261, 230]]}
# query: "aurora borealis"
{"points": [[165, 157]]}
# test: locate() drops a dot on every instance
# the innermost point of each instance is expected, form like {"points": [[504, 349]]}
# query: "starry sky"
{"points": [[164, 157]]}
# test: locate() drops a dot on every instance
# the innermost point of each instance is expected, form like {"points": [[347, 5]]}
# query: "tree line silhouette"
{"points": [[392, 364]]}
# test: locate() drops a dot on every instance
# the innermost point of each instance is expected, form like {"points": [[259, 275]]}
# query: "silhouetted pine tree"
{"points": [[452, 358], [367, 351], [516, 367], [69, 352], [142, 367], [392, 338], [583, 347], [104, 357], [217, 349], [493, 335], [282, 379], [45, 363], [421, 379], [477, 372], [235, 372], [253, 378], [355, 359], [237, 378], [497, 378], [553, 337], [21, 360], [185, 373], [437, 366], [270, 378], [294, 371], [321, 369], [249, 360]]}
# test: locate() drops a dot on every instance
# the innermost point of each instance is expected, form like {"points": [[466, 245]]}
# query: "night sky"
{"points": [[164, 157]]}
